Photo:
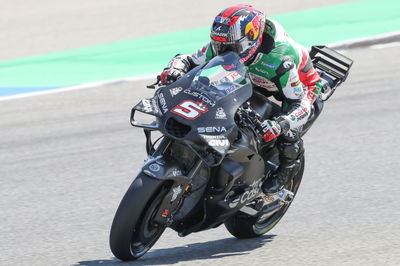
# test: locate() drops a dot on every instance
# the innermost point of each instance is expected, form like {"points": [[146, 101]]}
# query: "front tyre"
{"points": [[132, 232], [242, 225]]}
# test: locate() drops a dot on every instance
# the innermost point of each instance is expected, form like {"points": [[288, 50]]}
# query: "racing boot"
{"points": [[281, 177], [291, 150]]}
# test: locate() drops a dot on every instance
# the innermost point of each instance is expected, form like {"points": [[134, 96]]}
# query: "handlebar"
{"points": [[157, 83], [251, 117]]}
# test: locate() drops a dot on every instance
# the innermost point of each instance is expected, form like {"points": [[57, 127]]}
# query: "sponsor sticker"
{"points": [[190, 109], [165, 213], [300, 113], [147, 106], [175, 91], [222, 20], [249, 194], [154, 167], [298, 91], [263, 82], [216, 141], [268, 65], [176, 172], [296, 83], [287, 64], [200, 96], [220, 114], [230, 89], [163, 102], [261, 70], [175, 192], [211, 130]]}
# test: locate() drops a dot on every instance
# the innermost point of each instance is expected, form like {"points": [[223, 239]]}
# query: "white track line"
{"points": [[337, 45], [385, 45], [368, 40], [79, 87]]}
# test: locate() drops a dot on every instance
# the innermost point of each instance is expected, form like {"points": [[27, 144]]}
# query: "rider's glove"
{"points": [[177, 67], [170, 75], [270, 130]]}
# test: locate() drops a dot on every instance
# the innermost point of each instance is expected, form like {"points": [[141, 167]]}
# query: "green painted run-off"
{"points": [[150, 54]]}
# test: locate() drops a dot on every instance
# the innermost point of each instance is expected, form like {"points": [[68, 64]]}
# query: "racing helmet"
{"points": [[238, 28]]}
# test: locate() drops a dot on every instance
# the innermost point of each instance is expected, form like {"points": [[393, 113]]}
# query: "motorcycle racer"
{"points": [[278, 65]]}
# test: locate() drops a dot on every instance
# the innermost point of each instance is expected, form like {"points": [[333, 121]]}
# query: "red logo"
{"points": [[219, 39], [165, 213], [190, 109], [301, 112]]}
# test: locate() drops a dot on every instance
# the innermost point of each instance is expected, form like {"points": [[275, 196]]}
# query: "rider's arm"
{"points": [[299, 97]]}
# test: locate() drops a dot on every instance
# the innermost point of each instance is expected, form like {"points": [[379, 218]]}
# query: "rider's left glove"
{"points": [[170, 75], [270, 130], [177, 67]]}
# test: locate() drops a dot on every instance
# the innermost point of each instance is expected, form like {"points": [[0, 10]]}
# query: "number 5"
{"points": [[189, 109]]}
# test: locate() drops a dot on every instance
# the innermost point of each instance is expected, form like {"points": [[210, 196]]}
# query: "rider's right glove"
{"points": [[272, 129], [177, 67]]}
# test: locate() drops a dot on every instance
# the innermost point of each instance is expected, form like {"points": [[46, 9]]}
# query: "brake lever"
{"points": [[153, 86], [255, 119], [252, 117]]}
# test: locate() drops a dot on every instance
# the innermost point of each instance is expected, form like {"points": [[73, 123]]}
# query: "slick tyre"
{"points": [[242, 225], [132, 231]]}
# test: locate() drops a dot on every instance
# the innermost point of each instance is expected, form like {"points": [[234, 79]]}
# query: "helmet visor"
{"points": [[239, 46]]}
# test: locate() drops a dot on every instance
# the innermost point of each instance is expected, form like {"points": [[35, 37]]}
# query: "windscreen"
{"points": [[222, 75]]}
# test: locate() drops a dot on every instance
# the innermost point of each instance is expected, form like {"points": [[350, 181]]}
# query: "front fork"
{"points": [[161, 166], [173, 200]]}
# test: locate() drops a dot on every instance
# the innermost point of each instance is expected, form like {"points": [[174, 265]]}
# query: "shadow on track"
{"points": [[197, 251]]}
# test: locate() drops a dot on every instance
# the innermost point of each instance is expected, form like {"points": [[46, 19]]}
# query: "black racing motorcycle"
{"points": [[208, 166]]}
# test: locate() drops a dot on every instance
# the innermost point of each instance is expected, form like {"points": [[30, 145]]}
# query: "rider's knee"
{"points": [[291, 150]]}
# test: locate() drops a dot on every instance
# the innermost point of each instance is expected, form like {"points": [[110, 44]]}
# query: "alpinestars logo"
{"points": [[287, 64], [175, 91]]}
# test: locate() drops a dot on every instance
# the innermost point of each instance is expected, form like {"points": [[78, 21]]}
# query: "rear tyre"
{"points": [[242, 225], [133, 233]]}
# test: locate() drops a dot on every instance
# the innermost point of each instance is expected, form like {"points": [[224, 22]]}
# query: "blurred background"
{"points": [[67, 158], [32, 27]]}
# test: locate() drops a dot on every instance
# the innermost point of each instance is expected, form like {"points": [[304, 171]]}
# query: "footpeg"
{"points": [[285, 196], [273, 203]]}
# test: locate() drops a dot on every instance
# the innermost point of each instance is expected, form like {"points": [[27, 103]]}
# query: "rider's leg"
{"points": [[291, 150], [290, 146]]}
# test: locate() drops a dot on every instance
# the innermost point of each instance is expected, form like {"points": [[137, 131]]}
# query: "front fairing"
{"points": [[199, 109]]}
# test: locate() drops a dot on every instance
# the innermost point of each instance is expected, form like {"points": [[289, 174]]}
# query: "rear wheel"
{"points": [[133, 231], [242, 225]]}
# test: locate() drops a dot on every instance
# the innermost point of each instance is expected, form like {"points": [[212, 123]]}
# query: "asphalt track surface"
{"points": [[68, 158]]}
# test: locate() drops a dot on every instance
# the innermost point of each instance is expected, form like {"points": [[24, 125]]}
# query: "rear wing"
{"points": [[331, 65]]}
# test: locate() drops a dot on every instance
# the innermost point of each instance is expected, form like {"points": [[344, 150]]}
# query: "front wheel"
{"points": [[242, 225], [133, 231]]}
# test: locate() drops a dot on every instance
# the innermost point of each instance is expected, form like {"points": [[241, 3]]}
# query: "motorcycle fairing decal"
{"points": [[220, 143], [148, 106], [189, 109], [252, 192]]}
